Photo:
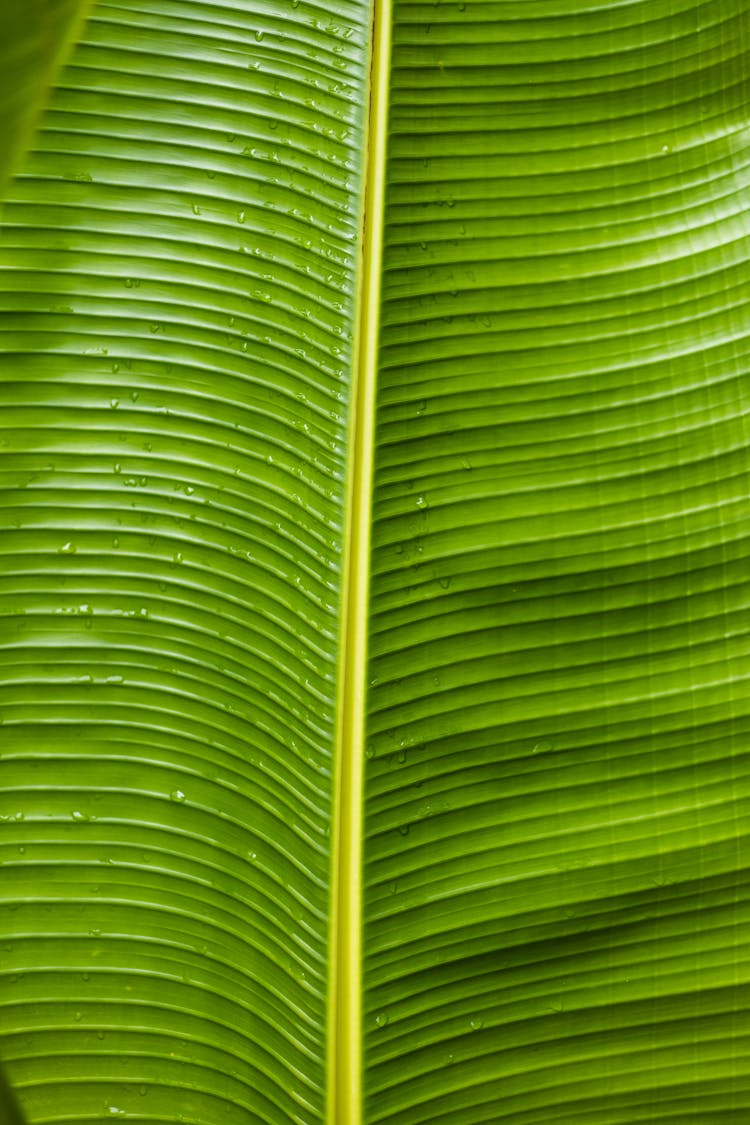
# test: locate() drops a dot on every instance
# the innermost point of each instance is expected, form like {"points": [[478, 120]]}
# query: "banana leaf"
{"points": [[35, 37], [375, 565]]}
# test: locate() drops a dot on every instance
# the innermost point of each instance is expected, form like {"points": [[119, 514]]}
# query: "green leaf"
{"points": [[374, 567], [35, 36], [10, 1114]]}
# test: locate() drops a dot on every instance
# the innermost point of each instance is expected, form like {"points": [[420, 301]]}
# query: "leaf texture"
{"points": [[554, 897], [35, 37], [178, 297], [556, 792]]}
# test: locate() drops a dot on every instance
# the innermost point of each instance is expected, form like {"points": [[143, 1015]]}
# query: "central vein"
{"points": [[344, 1095]]}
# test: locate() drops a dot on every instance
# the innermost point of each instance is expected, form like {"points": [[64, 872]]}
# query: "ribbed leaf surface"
{"points": [[557, 789], [35, 36], [177, 294], [555, 904]]}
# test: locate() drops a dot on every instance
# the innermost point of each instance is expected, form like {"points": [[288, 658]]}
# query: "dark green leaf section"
{"points": [[177, 301], [10, 1114], [35, 36], [557, 777]]}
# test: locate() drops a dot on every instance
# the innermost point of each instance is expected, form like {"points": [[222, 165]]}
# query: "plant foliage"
{"points": [[554, 816]]}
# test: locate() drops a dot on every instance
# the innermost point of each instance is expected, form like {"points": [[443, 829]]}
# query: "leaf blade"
{"points": [[178, 295], [555, 508]]}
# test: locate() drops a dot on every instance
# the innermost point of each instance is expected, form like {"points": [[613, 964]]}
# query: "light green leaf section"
{"points": [[556, 895], [35, 37], [177, 308], [555, 900]]}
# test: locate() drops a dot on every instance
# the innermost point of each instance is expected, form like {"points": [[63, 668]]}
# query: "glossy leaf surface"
{"points": [[556, 798], [179, 287], [554, 897]]}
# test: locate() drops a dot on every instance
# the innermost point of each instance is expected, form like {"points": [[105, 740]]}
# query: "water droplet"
{"points": [[189, 489], [542, 747], [177, 795], [403, 829], [259, 36], [113, 679], [78, 1017], [67, 549], [241, 217], [100, 1034], [421, 502], [142, 1091], [381, 1019], [114, 403], [77, 815], [134, 396], [444, 582], [476, 1023]]}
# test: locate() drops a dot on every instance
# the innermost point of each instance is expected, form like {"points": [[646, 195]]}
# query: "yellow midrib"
{"points": [[344, 1094]]}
